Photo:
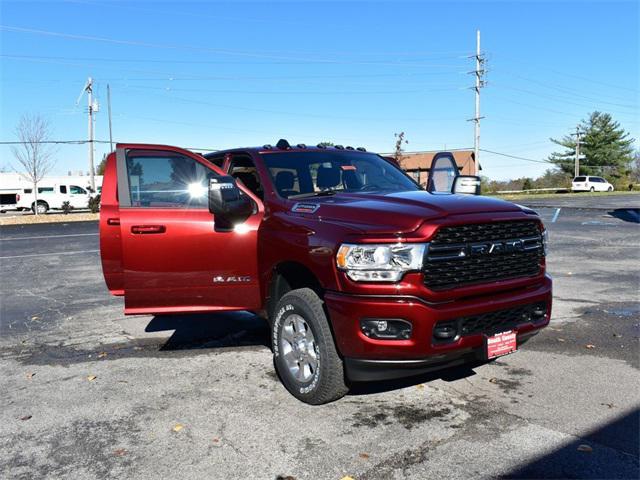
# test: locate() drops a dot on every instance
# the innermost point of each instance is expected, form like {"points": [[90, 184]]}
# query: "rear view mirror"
{"points": [[466, 185], [227, 203]]}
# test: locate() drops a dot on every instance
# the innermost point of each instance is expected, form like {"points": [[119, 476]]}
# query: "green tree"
{"points": [[605, 148], [527, 184]]}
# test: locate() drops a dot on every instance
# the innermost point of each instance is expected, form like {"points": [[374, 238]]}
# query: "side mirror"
{"points": [[227, 203], [466, 185]]}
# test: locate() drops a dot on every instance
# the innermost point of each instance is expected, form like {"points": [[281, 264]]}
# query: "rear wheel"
{"points": [[304, 352], [43, 207], [592, 189]]}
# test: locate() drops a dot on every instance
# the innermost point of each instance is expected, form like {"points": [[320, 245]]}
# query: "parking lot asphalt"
{"points": [[587, 201], [89, 393]]}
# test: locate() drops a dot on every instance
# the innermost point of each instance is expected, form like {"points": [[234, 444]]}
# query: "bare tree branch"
{"points": [[35, 159]]}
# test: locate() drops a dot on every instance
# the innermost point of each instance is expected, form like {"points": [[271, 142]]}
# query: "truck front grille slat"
{"points": [[482, 253], [494, 322]]}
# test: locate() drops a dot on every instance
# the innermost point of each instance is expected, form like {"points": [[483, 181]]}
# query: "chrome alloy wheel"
{"points": [[298, 347]]}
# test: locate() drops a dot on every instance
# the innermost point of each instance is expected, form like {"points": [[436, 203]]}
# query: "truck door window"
{"points": [[243, 169], [75, 190], [166, 179], [45, 189], [63, 189]]}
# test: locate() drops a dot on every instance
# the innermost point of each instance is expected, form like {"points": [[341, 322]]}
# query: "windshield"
{"points": [[314, 173]]}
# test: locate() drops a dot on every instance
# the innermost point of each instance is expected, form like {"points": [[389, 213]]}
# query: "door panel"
{"points": [[173, 259], [110, 244], [182, 264]]}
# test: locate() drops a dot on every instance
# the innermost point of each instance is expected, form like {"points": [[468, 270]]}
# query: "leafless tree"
{"points": [[398, 151], [34, 156]]}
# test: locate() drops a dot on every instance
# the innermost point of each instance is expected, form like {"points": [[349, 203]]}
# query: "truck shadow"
{"points": [[218, 330], [626, 214], [451, 374], [608, 451], [243, 329]]}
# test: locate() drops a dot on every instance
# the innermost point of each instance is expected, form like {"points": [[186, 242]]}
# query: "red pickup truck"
{"points": [[361, 274]]}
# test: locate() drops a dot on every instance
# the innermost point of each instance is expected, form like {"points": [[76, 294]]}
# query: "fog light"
{"points": [[445, 331], [386, 329], [539, 313]]}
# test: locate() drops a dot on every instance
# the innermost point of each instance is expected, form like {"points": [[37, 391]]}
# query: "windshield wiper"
{"points": [[324, 193]]}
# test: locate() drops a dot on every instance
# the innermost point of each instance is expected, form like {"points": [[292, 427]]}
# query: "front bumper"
{"points": [[368, 359]]}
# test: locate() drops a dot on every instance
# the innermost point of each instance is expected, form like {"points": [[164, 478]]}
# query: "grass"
{"points": [[533, 196], [29, 218]]}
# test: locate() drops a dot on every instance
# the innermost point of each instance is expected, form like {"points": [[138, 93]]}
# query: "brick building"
{"points": [[417, 164]]}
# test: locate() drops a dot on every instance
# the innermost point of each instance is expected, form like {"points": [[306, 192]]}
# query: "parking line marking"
{"points": [[555, 215], [49, 236], [49, 254]]}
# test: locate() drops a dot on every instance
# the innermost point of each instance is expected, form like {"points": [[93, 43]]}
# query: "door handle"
{"points": [[113, 221], [147, 229]]}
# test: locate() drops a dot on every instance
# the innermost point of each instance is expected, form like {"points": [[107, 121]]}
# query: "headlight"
{"points": [[545, 242], [379, 262]]}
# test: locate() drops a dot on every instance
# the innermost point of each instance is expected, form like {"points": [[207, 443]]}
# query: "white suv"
{"points": [[590, 184]]}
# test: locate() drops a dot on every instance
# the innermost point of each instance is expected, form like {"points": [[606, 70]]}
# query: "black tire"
{"points": [[592, 189], [43, 210], [327, 382], [610, 189]]}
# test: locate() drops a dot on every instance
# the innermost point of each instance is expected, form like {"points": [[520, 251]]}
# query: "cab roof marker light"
{"points": [[267, 146], [339, 147], [361, 149], [321, 145], [301, 145], [349, 147], [283, 144]]}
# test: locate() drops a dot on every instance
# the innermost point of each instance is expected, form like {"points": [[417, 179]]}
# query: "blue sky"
{"points": [[217, 75]]}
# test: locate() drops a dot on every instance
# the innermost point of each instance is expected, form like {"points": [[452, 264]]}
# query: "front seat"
{"points": [[284, 184], [251, 182], [328, 178]]}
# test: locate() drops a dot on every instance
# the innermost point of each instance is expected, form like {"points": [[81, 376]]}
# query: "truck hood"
{"points": [[399, 212]]}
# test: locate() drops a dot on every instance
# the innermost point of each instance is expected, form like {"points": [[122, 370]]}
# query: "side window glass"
{"points": [[166, 180], [75, 190], [45, 189], [63, 189], [28, 190]]}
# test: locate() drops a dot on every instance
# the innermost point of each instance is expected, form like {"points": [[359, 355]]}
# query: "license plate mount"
{"points": [[500, 344]]}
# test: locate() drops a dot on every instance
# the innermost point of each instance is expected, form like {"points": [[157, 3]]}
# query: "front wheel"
{"points": [[592, 189], [610, 189], [304, 352]]}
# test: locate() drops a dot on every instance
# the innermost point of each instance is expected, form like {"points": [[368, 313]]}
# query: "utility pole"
{"points": [[89, 89], [93, 108], [479, 74], [109, 111], [576, 172]]}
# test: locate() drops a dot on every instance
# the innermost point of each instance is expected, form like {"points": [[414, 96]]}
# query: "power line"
{"points": [[562, 89], [564, 99], [219, 51], [83, 142], [514, 156]]}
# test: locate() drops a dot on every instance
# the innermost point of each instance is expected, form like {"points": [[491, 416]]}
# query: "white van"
{"points": [[590, 184], [51, 196]]}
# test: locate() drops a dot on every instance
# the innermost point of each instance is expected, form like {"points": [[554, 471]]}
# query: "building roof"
{"points": [[416, 161]]}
